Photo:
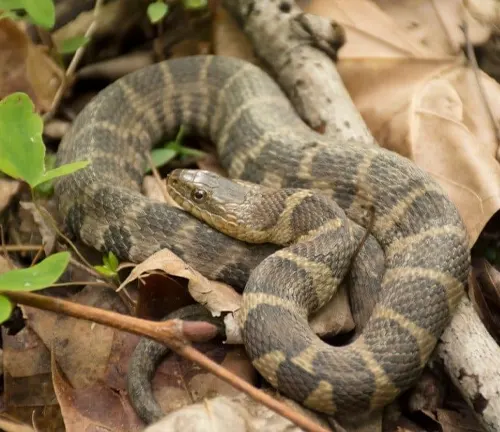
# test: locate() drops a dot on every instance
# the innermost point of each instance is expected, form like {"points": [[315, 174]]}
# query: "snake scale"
{"points": [[261, 139]]}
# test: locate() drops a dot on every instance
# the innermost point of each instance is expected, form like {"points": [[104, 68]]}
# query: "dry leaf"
{"points": [[428, 393], [5, 264], [27, 377], [216, 296], [421, 103], [8, 188], [452, 421], [485, 11], [435, 25], [47, 231], [107, 19], [96, 407], [232, 414], [90, 376], [26, 67], [9, 425]]}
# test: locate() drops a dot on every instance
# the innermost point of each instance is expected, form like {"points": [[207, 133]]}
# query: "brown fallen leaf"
{"points": [[94, 407], [5, 264], [26, 67], [428, 393], [216, 296], [8, 189], [10, 425], [484, 11], [453, 421], [47, 231], [27, 379], [232, 414], [417, 100], [179, 383], [435, 25]]}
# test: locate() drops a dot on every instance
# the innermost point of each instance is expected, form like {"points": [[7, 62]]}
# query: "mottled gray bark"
{"points": [[298, 48], [471, 358]]}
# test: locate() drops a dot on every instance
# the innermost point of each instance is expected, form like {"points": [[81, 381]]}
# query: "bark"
{"points": [[298, 48], [471, 358]]}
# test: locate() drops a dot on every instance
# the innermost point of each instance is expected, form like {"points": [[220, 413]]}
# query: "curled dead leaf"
{"points": [[26, 67], [231, 414], [216, 296], [47, 231]]}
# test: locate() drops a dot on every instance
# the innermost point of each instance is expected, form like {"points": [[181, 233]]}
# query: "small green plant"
{"points": [[22, 156], [70, 45], [173, 149], [40, 12], [157, 10], [34, 278], [109, 267], [194, 4], [22, 152]]}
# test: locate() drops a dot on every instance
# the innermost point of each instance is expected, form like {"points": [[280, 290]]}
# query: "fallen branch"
{"points": [[294, 45], [176, 334], [471, 358]]}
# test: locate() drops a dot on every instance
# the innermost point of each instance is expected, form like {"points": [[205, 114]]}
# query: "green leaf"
{"points": [[112, 261], [11, 4], [105, 271], [161, 156], [60, 171], [41, 275], [42, 12], [5, 308], [156, 11], [21, 148], [46, 189], [195, 4], [70, 45]]}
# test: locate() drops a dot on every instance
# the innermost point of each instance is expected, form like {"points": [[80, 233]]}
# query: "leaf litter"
{"points": [[409, 57]]}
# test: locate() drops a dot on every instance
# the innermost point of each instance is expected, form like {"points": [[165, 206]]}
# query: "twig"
{"points": [[21, 248], [157, 177], [475, 68], [171, 333], [73, 65], [89, 270], [80, 283], [37, 256]]}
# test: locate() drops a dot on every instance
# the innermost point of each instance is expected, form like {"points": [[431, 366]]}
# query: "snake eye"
{"points": [[199, 195]]}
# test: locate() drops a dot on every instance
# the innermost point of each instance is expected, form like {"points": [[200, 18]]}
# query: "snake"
{"points": [[261, 139]]}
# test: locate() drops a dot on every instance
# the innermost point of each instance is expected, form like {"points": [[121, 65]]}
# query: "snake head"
{"points": [[224, 204]]}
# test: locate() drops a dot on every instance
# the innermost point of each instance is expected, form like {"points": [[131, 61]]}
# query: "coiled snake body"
{"points": [[261, 139]]}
